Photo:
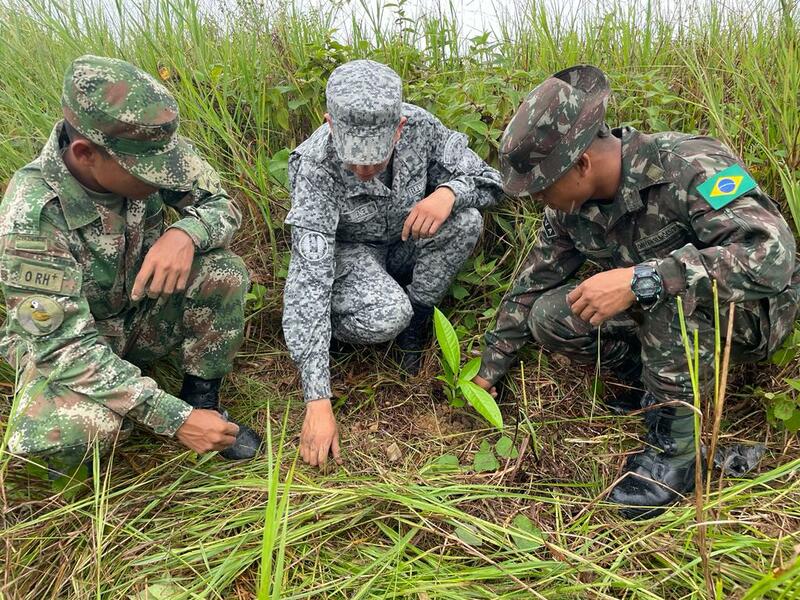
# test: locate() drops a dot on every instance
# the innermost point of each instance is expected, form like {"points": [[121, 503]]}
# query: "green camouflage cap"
{"points": [[131, 115], [555, 124]]}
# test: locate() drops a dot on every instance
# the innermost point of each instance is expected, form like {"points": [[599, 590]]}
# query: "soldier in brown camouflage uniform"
{"points": [[663, 216], [94, 283]]}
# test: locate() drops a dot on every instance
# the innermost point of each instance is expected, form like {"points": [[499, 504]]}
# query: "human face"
{"points": [[368, 172], [102, 173], [568, 193], [113, 178]]}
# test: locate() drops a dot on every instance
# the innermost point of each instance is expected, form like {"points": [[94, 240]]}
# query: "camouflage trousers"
{"points": [[205, 323], [665, 371], [368, 302]]}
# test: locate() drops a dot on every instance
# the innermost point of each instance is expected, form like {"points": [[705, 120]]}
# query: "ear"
{"points": [[403, 121], [584, 164], [84, 153], [329, 121]]}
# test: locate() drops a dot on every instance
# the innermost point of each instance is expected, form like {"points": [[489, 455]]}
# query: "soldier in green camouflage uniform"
{"points": [[663, 216], [94, 283]]}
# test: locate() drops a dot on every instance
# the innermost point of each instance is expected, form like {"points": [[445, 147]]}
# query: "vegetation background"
{"points": [[431, 502]]}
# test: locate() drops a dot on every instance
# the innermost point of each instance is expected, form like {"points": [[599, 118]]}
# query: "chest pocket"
{"points": [[658, 245]]}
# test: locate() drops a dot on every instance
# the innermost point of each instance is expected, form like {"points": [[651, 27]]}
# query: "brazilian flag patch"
{"points": [[726, 186]]}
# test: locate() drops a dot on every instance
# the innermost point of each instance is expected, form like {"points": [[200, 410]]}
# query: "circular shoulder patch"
{"points": [[313, 246], [39, 315]]}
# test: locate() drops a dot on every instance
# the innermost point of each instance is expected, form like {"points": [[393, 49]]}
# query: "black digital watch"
{"points": [[646, 285]]}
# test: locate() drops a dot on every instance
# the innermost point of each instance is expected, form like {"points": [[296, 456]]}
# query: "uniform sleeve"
{"points": [[453, 165], [49, 321], [307, 295], [553, 261], [208, 215], [749, 251]]}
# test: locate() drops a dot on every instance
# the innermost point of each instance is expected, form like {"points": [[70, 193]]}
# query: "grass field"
{"points": [[159, 523]]}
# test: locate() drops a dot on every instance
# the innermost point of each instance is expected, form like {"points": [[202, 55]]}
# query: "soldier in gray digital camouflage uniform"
{"points": [[94, 283], [385, 210], [663, 216]]}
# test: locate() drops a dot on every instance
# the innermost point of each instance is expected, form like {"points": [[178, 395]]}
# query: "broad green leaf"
{"points": [[485, 461], [468, 534], [784, 409], [792, 424], [447, 338], [295, 104], [482, 401], [469, 370], [505, 447], [459, 292], [525, 525]]}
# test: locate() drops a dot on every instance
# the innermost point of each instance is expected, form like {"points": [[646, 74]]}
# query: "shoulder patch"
{"points": [[313, 246], [39, 315], [727, 185], [45, 275], [453, 149]]}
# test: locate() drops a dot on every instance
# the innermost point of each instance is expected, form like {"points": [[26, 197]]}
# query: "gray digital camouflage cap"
{"points": [[365, 103], [555, 124], [131, 115]]}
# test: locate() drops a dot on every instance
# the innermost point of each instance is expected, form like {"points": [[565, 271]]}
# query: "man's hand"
{"points": [[206, 430], [480, 381], [428, 214], [166, 267], [602, 296], [320, 434]]}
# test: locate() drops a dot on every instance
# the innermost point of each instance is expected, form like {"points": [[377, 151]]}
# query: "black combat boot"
{"points": [[204, 393], [629, 373], [412, 340], [665, 469]]}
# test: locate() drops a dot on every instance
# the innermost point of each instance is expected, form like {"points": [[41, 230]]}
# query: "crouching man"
{"points": [[94, 284], [385, 211], [663, 216]]}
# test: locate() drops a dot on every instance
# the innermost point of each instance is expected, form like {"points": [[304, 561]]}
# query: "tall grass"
{"points": [[250, 80]]}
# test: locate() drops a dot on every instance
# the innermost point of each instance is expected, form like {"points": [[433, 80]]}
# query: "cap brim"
{"points": [[368, 146], [551, 169], [177, 169]]}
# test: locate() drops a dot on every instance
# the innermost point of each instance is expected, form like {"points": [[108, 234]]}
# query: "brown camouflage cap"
{"points": [[131, 115], [552, 128]]}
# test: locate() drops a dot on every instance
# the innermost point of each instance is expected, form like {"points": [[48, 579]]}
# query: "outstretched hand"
{"points": [[320, 434]]}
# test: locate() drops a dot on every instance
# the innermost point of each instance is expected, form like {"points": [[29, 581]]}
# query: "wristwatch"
{"points": [[646, 285]]}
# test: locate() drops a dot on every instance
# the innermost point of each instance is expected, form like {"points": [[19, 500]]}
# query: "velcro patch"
{"points": [[361, 213], [724, 187], [41, 278], [313, 246], [674, 232], [29, 274], [39, 315], [30, 245], [548, 229]]}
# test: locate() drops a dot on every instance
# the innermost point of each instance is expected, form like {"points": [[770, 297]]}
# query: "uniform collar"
{"points": [[78, 209], [641, 169]]}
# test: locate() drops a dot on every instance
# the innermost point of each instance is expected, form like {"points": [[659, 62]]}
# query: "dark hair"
{"points": [[74, 135]]}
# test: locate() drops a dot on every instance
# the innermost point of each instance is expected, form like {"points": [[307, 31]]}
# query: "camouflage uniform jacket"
{"points": [[57, 244], [659, 217], [330, 204]]}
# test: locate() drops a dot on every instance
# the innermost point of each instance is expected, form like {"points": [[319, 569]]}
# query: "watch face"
{"points": [[646, 287]]}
